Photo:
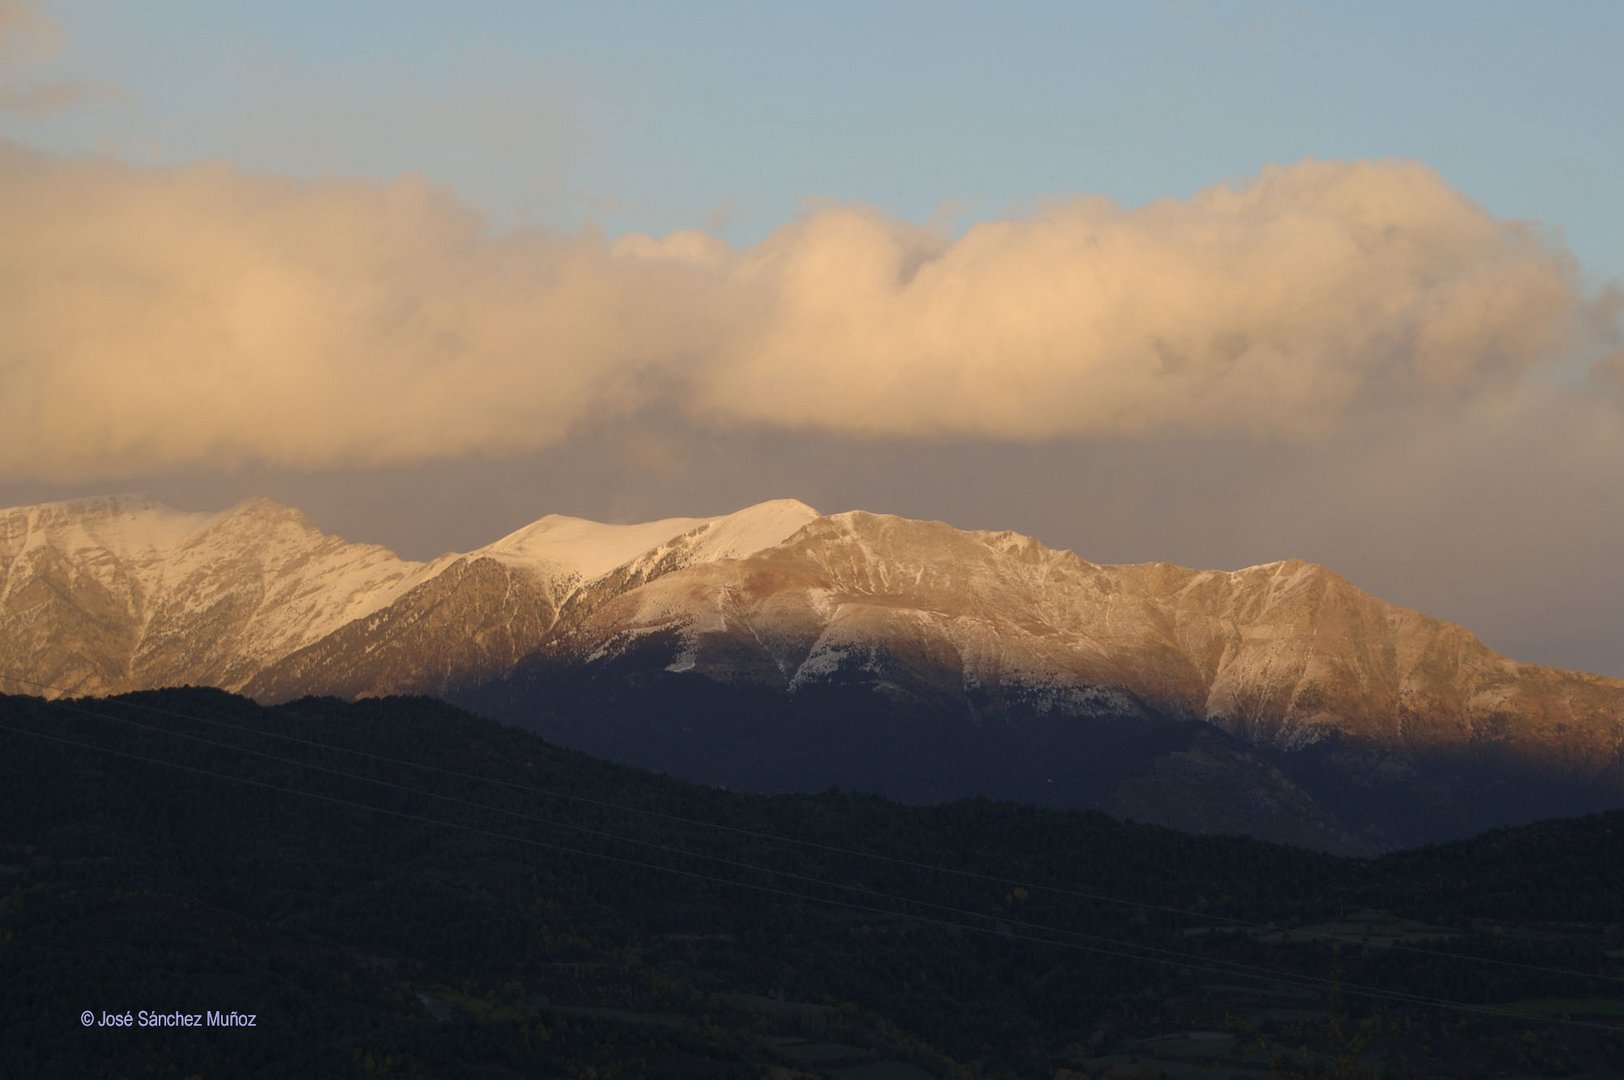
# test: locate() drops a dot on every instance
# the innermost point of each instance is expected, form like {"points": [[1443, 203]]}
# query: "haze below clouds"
{"points": [[1351, 361]]}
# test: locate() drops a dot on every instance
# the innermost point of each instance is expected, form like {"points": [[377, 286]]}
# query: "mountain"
{"points": [[105, 595], [776, 649], [393, 887]]}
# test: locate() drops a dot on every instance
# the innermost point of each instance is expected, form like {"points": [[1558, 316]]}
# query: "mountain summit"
{"points": [[104, 595], [778, 649]]}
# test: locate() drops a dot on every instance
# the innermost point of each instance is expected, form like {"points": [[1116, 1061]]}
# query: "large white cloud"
{"points": [[1276, 307], [162, 317]]}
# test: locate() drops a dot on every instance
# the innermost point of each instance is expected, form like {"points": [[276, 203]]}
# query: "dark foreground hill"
{"points": [[396, 888]]}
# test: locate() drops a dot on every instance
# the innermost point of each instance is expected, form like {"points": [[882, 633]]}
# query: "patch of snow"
{"points": [[569, 545], [558, 545], [618, 643], [123, 525], [753, 529], [829, 657]]}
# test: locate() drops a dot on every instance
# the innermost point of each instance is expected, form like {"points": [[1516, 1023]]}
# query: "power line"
{"points": [[1104, 898], [602, 833], [1180, 960], [718, 859]]}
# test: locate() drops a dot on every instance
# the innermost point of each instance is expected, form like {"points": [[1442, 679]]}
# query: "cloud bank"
{"points": [[29, 38], [169, 317]]}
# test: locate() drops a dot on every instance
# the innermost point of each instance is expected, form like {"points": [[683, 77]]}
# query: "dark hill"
{"points": [[505, 907]]}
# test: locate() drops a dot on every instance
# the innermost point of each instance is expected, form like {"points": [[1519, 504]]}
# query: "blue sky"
{"points": [[1343, 362], [653, 116]]}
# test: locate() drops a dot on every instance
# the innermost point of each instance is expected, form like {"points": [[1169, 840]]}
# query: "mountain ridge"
{"points": [[779, 627]]}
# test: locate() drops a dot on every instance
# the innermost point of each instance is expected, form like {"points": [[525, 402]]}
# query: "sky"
{"points": [[1213, 284]]}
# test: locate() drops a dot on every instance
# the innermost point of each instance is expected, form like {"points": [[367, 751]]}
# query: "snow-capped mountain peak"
{"points": [[990, 631], [128, 525], [569, 546]]}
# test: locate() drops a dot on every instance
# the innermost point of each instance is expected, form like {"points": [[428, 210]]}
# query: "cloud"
{"points": [[1277, 307], [172, 316], [157, 318], [28, 38], [27, 33], [54, 97]]}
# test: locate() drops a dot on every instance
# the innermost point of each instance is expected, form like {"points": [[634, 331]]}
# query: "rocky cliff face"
{"points": [[775, 648]]}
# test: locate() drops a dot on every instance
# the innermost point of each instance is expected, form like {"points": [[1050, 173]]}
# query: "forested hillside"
{"points": [[393, 887]]}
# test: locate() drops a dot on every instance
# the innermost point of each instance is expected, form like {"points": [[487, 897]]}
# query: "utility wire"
{"points": [[1323, 935], [620, 837], [718, 859], [1180, 960]]}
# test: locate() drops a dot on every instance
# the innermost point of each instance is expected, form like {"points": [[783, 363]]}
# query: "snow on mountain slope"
{"points": [[1283, 654], [103, 595], [122, 593], [902, 656], [255, 583], [127, 532], [753, 529], [98, 595], [76, 579], [124, 525], [585, 550], [582, 549]]}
